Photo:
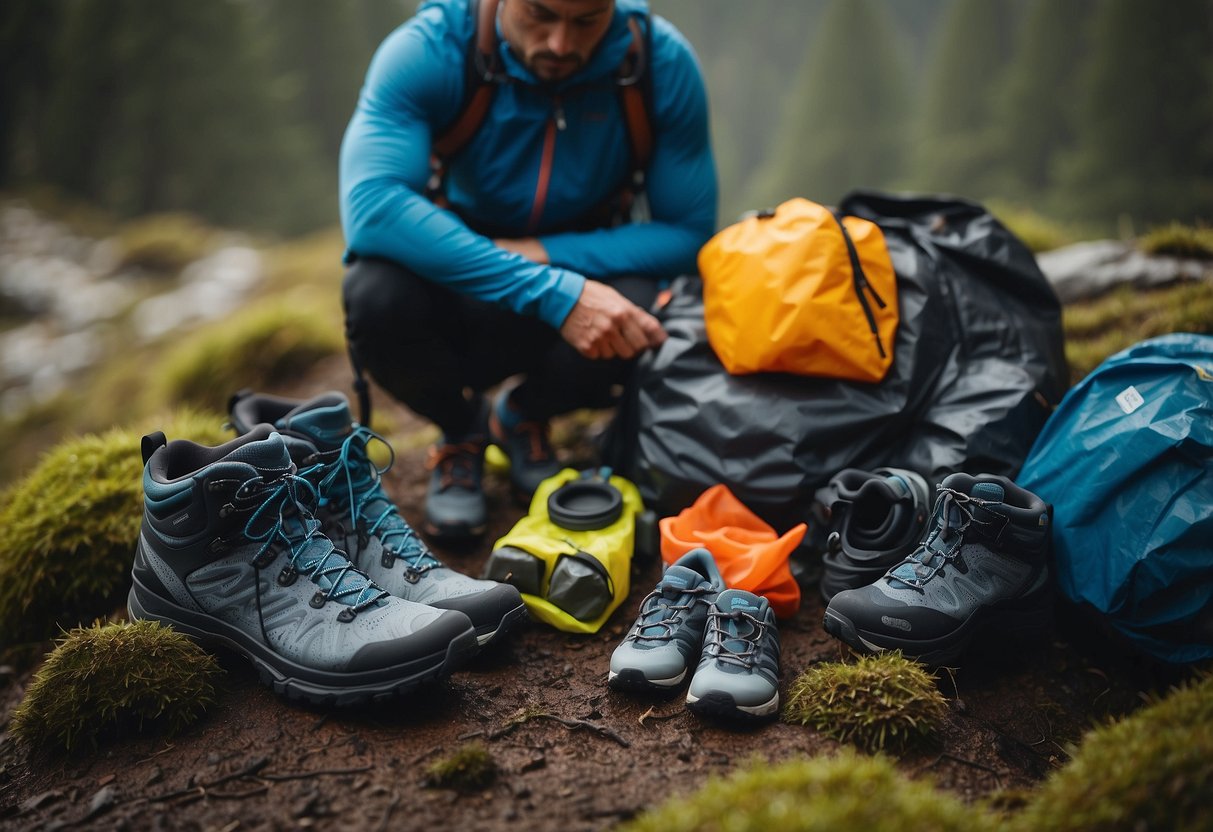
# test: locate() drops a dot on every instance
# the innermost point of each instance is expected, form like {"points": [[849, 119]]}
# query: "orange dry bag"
{"points": [[801, 290], [748, 552]]}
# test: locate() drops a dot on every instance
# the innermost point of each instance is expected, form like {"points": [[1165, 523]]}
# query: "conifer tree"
{"points": [[1036, 108], [1145, 134], [843, 129], [955, 145]]}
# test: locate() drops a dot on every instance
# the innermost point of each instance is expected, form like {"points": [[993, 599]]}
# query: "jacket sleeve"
{"points": [[680, 181], [385, 165]]}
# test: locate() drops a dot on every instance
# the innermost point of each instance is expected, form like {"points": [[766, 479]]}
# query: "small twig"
{"points": [[974, 764], [301, 775], [248, 771], [467, 735], [238, 795], [387, 813], [650, 715], [574, 724], [164, 750]]}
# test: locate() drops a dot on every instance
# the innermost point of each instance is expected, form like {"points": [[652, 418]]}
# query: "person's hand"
{"points": [[605, 324], [528, 247]]}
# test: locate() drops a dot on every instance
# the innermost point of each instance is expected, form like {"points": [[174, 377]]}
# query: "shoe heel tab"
{"points": [[152, 443]]}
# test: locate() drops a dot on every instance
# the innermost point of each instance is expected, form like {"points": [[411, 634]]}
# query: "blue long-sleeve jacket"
{"points": [[414, 88]]}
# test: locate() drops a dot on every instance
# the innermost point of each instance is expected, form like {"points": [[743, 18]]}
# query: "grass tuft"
{"points": [[102, 680], [469, 769], [1179, 240], [71, 525], [1151, 770], [267, 345], [879, 702], [846, 791], [1038, 232], [1099, 328]]}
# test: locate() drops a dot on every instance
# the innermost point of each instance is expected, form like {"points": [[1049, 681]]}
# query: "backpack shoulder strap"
{"points": [[635, 92], [483, 74]]}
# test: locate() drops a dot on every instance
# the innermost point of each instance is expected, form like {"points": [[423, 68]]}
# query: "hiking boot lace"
{"points": [[662, 602], [952, 516], [372, 511], [288, 520], [716, 643], [539, 445], [457, 464]]}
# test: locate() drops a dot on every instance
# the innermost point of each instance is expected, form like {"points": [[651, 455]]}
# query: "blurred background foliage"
{"points": [[1099, 111]]}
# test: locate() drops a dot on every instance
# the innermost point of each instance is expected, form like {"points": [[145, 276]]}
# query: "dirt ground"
{"points": [[592, 758]]}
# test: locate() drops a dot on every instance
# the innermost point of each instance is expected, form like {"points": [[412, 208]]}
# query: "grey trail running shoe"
{"points": [[666, 638], [330, 450], [738, 673], [982, 568], [230, 553]]}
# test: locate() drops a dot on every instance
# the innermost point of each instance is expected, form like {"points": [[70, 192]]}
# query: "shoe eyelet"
{"points": [[318, 601], [346, 615], [287, 576], [265, 559], [218, 545], [226, 510], [388, 559], [411, 575]]}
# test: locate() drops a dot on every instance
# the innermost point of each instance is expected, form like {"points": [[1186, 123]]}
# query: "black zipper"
{"points": [[860, 281]]}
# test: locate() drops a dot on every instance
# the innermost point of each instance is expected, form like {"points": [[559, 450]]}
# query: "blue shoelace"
{"points": [[311, 553], [952, 516], [368, 502]]}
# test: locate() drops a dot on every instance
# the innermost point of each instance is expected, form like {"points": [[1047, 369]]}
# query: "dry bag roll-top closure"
{"points": [[801, 290]]}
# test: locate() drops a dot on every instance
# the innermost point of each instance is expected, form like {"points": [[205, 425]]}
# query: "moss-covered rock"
{"points": [[844, 792], [1179, 240], [163, 243], [879, 702], [470, 768], [71, 526], [266, 345], [101, 680], [1151, 770]]}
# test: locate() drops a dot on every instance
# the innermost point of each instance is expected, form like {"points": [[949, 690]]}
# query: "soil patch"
{"points": [[572, 755]]}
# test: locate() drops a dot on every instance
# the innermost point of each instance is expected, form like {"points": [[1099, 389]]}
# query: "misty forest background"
{"points": [[1091, 111]]}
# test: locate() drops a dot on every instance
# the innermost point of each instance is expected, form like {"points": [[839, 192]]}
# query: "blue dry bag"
{"points": [[1127, 462]]}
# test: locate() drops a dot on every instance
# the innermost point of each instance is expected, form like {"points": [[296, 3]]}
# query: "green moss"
{"points": [[879, 702], [100, 680], [845, 792], [470, 768], [267, 345], [1151, 770], [71, 526], [163, 243], [1179, 240], [1099, 328]]}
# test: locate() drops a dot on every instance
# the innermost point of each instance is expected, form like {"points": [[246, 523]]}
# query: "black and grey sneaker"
{"points": [[738, 673], [229, 553], [875, 519], [528, 445], [981, 568], [455, 507], [666, 638], [330, 450]]}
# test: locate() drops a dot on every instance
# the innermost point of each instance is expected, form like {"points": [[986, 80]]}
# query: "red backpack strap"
{"points": [[483, 74], [634, 88]]}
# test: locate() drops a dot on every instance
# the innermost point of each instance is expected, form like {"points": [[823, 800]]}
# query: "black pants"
{"points": [[425, 345]]}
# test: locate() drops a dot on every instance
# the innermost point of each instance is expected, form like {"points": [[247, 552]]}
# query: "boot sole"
{"points": [[1005, 624], [720, 704], [508, 621], [296, 682]]}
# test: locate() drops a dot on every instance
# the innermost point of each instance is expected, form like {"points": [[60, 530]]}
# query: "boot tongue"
{"points": [[673, 584], [736, 629], [681, 578], [990, 492], [325, 420]]}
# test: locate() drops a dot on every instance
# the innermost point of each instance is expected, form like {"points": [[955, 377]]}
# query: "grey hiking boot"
{"points": [[665, 640], [528, 446], [330, 450], [230, 553], [738, 673], [981, 568], [875, 518], [455, 508]]}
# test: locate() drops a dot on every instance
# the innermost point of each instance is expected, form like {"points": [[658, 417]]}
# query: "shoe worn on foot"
{"points": [[738, 673], [526, 443], [230, 553], [330, 450], [982, 567], [666, 638], [876, 518], [455, 508]]}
